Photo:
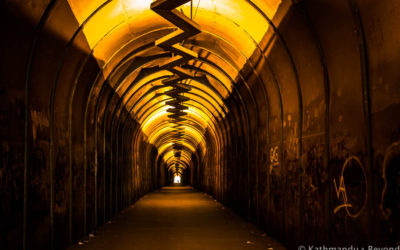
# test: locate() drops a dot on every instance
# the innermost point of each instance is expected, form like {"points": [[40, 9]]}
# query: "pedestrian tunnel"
{"points": [[286, 111]]}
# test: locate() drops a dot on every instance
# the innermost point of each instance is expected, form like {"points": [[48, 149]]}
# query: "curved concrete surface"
{"points": [[285, 111]]}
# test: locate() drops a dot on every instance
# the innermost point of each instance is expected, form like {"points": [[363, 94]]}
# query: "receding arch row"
{"points": [[106, 113], [118, 165]]}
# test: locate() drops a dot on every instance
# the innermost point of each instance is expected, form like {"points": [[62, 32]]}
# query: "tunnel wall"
{"points": [[79, 168], [315, 137], [309, 149]]}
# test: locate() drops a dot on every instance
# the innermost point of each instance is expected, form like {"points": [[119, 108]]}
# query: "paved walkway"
{"points": [[178, 218]]}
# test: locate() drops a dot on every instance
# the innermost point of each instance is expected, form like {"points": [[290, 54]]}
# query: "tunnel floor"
{"points": [[178, 218]]}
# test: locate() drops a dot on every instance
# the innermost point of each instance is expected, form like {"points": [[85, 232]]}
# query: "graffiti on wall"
{"points": [[274, 158], [351, 188]]}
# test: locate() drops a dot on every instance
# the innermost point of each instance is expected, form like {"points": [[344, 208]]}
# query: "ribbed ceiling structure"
{"points": [[286, 111], [173, 63]]}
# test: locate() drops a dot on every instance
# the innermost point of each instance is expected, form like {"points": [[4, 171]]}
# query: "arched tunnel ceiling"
{"points": [[128, 38], [266, 126]]}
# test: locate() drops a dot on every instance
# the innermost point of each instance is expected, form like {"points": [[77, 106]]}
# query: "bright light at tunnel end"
{"points": [[177, 179]]}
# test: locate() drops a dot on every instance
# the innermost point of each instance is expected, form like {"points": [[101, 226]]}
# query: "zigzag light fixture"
{"points": [[180, 55]]}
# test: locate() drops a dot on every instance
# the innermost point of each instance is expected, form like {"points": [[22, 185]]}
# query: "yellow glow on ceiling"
{"points": [[195, 112], [154, 103], [237, 11], [150, 119], [83, 8], [178, 169], [231, 31], [167, 129], [110, 16], [162, 115], [209, 92], [211, 105], [224, 86], [143, 90], [165, 147], [169, 157], [233, 20]]}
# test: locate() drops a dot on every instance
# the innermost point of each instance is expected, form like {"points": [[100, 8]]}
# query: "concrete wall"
{"points": [[309, 149], [79, 164], [315, 152]]}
